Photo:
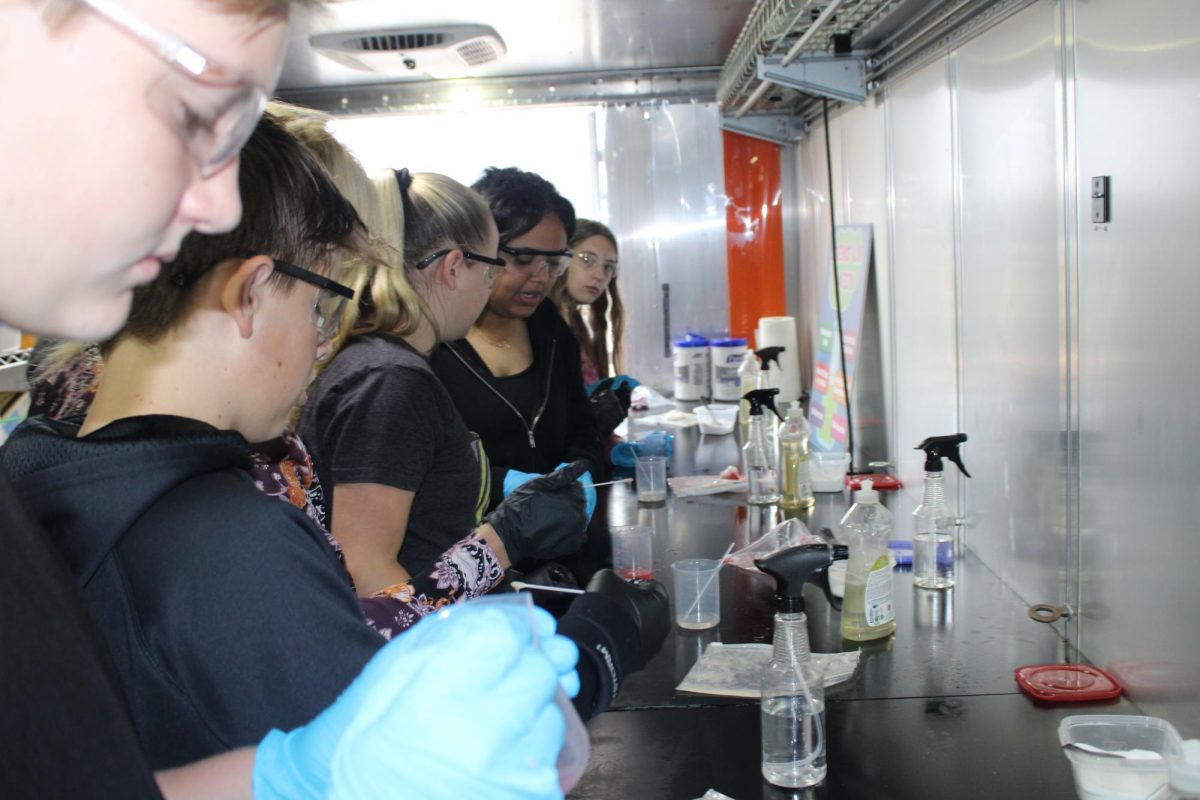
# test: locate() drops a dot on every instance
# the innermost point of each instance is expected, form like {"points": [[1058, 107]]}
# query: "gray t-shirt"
{"points": [[378, 414]]}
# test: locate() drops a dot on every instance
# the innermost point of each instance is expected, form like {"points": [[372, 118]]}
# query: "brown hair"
{"points": [[291, 210], [606, 309]]}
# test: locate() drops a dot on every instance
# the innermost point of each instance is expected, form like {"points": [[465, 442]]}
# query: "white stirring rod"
{"points": [[519, 585], [711, 578], [608, 483]]}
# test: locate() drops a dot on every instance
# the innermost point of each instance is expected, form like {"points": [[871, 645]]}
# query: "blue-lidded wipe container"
{"points": [[727, 356], [690, 357]]}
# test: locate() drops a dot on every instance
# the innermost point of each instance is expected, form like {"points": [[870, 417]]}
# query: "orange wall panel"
{"points": [[753, 232]]}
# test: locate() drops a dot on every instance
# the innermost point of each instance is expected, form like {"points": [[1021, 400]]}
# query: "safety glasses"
{"points": [[527, 261], [213, 110], [331, 299], [493, 264]]}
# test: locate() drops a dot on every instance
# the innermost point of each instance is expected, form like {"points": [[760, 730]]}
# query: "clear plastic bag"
{"points": [[788, 533]]}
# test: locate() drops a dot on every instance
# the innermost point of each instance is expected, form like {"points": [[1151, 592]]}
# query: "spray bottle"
{"points": [[748, 378], [793, 689], [760, 470], [869, 612], [766, 381], [933, 524], [793, 460]]}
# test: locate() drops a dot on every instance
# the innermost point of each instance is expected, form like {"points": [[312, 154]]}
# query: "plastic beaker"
{"points": [[632, 552], [651, 473], [697, 593]]}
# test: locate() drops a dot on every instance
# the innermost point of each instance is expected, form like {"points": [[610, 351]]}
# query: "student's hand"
{"points": [[514, 478], [589, 491], [609, 400], [461, 705], [544, 517], [646, 604]]}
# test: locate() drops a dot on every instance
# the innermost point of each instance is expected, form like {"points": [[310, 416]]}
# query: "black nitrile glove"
{"points": [[609, 405], [646, 602], [618, 627], [543, 518]]}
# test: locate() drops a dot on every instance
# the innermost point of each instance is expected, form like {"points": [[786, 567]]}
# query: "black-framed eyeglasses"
{"points": [[222, 107], [590, 260], [492, 263], [529, 261], [331, 299]]}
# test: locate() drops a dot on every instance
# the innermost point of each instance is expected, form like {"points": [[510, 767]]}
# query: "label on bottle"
{"points": [[879, 606]]}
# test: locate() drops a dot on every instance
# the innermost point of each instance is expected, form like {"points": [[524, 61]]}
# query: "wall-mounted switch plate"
{"points": [[1101, 186]]}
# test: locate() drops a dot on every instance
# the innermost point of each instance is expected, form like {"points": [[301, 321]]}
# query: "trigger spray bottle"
{"points": [[761, 473], [766, 381], [933, 524], [793, 688]]}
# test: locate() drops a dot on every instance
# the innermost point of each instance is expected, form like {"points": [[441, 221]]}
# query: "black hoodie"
{"points": [[226, 611]]}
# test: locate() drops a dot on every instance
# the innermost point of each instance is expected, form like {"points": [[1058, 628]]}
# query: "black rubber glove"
{"points": [[646, 602], [543, 518], [618, 627], [609, 406]]}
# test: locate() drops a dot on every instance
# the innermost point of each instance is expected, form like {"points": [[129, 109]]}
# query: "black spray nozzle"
{"points": [[796, 566], [760, 399], [768, 354], [938, 447]]}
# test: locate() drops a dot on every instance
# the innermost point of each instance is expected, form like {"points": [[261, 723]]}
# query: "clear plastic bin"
{"points": [[1146, 743]]}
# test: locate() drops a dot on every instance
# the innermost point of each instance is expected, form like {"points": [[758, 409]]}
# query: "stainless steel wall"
{"points": [[1138, 120], [1062, 348], [663, 169]]}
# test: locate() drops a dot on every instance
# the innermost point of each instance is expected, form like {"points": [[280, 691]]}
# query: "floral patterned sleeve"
{"points": [[468, 569]]}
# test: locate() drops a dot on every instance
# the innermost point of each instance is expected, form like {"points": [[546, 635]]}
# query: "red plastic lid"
{"points": [[1067, 683], [880, 481]]}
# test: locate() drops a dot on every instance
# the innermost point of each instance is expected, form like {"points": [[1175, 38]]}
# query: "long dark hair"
{"points": [[605, 310]]}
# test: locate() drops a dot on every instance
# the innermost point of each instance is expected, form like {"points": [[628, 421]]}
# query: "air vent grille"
{"points": [[396, 42], [477, 52]]}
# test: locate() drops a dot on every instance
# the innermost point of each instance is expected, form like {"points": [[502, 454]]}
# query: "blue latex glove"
{"points": [[513, 478], [461, 705], [589, 491], [618, 382], [650, 443]]}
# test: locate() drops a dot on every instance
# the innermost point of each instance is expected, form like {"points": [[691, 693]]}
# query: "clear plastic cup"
{"points": [[651, 474], [632, 552], [697, 593], [829, 471]]}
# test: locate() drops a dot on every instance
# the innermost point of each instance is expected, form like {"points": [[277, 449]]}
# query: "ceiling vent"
{"points": [[444, 51]]}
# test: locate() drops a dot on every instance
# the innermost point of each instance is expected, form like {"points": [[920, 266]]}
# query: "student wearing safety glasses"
{"points": [[157, 160], [516, 376]]}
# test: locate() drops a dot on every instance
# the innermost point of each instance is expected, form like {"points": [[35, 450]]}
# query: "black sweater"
{"points": [[533, 421]]}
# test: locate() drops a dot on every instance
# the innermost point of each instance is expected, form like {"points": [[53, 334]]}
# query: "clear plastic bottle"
{"points": [[748, 375], [796, 490], [793, 709], [868, 611], [933, 536], [761, 477]]}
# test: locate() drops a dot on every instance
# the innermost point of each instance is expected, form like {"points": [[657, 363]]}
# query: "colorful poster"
{"points": [[827, 409]]}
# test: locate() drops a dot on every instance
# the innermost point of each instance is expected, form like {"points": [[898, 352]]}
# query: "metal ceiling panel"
{"points": [[543, 37]]}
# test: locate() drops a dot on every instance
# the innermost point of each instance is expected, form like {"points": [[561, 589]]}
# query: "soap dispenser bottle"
{"points": [[868, 611], [796, 489], [933, 524], [793, 691], [761, 475]]}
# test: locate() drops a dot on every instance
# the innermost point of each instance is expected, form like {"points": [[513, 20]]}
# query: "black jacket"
{"points": [[65, 730], [209, 593], [530, 422]]}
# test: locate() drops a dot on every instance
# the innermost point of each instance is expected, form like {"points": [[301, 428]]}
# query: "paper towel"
{"points": [[781, 332]]}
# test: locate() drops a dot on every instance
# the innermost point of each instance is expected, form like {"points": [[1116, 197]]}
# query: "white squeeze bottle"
{"points": [[867, 608]]}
